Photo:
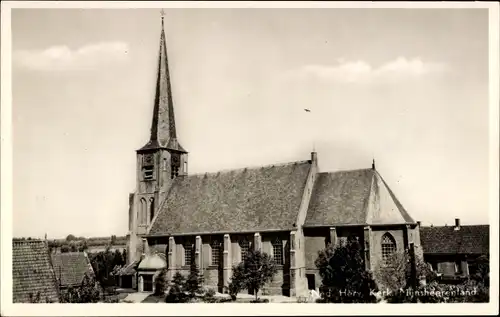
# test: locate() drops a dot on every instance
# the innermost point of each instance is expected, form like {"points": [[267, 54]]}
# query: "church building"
{"points": [[290, 211]]}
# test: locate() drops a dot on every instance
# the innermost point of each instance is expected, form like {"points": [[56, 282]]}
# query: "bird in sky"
{"points": [[307, 110]]}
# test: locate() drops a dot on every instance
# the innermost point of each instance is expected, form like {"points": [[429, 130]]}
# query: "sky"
{"points": [[408, 88]]}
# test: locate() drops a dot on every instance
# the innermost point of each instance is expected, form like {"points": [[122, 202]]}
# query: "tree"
{"points": [[113, 239], [103, 264], [161, 283], [65, 248], [83, 247], [482, 274], [343, 274], [394, 275], [70, 237], [253, 273], [237, 281], [194, 281], [177, 292], [88, 292]]}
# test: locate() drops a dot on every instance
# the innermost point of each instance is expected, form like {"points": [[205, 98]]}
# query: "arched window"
{"points": [[216, 248], [151, 208], [142, 211], [278, 251], [244, 247], [388, 246]]}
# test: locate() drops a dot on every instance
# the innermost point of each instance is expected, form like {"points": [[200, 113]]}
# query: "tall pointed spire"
{"points": [[163, 132]]}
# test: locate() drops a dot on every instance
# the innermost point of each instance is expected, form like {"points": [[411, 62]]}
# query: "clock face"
{"points": [[148, 160], [175, 159]]}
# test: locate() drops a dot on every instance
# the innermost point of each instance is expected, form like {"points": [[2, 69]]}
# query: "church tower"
{"points": [[160, 161]]}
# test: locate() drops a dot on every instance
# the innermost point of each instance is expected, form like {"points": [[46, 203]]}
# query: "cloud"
{"points": [[62, 58], [362, 72]]}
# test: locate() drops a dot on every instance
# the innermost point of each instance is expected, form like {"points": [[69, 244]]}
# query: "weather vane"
{"points": [[162, 12]]}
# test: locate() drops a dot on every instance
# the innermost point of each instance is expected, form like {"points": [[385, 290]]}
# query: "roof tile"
{"points": [[32, 272], [447, 240], [250, 199], [71, 267]]}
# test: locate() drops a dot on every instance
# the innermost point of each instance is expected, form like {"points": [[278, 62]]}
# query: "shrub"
{"points": [[482, 274], [194, 281], [161, 283], [394, 274], [236, 284], [434, 292], [177, 292], [88, 292], [209, 296]]}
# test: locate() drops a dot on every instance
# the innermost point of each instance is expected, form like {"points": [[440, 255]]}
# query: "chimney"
{"points": [[457, 224], [373, 164], [314, 157], [419, 223]]}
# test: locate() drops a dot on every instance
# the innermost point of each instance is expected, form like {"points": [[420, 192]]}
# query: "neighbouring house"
{"points": [[452, 251], [33, 277], [288, 210], [71, 268]]}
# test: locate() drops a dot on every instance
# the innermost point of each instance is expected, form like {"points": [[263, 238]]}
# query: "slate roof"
{"points": [[251, 199], [354, 197], [32, 272], [447, 240], [70, 267], [163, 131]]}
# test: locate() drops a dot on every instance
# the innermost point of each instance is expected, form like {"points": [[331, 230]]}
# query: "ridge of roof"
{"points": [[346, 171], [451, 226], [240, 169]]}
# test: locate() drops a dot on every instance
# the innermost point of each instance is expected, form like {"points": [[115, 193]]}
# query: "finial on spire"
{"points": [[162, 13]]}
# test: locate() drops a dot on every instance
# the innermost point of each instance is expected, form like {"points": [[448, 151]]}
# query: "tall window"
{"points": [[244, 247], [278, 251], [148, 166], [148, 173], [388, 246], [142, 211], [216, 248], [188, 253], [151, 208]]}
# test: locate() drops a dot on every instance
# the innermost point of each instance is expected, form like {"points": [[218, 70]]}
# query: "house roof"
{"points": [[250, 199], [354, 197], [447, 240], [32, 272], [70, 267], [129, 269]]}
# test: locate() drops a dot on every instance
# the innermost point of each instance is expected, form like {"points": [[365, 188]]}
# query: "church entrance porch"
{"points": [[147, 283], [311, 281]]}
